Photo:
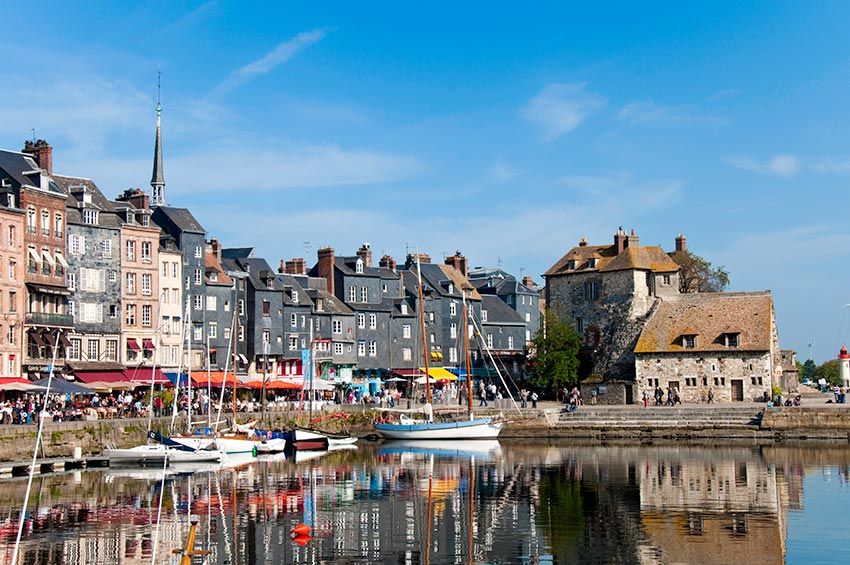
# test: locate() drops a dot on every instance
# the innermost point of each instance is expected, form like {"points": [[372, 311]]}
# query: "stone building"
{"points": [[27, 183], [140, 270], [172, 309], [12, 288], [607, 292], [94, 271], [721, 342]]}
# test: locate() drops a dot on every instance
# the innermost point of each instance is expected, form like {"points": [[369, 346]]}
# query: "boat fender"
{"points": [[254, 451], [301, 529], [301, 540]]}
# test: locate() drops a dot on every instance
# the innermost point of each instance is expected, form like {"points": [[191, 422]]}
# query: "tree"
{"points": [[555, 361], [831, 371], [698, 274], [807, 370]]}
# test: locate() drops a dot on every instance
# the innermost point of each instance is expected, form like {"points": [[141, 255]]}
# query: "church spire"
{"points": [[157, 178]]}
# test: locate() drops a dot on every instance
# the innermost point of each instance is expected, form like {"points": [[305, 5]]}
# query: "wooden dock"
{"points": [[51, 465]]}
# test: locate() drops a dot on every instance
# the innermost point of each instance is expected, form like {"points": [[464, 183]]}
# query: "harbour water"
{"points": [[508, 502]]}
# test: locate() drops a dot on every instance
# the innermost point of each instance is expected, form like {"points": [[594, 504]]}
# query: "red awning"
{"points": [[101, 376], [37, 338], [142, 376], [133, 344], [408, 372], [148, 345], [216, 378]]}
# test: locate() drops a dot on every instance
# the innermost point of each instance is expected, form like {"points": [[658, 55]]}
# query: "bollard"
{"points": [[78, 452]]}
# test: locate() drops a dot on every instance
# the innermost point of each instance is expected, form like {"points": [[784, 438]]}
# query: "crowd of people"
{"points": [[66, 407]]}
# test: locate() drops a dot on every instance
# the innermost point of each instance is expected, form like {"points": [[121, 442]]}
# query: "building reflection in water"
{"points": [[395, 503]]}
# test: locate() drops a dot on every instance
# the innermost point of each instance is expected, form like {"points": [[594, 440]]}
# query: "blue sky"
{"points": [[505, 131]]}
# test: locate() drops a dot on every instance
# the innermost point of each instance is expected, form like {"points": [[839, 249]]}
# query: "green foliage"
{"points": [[555, 361], [831, 371], [807, 370], [698, 274]]}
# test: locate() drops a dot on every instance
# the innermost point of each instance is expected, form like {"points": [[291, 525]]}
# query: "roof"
{"points": [[288, 282], [648, 258], [499, 313], [461, 282], [347, 266], [15, 164], [213, 265], [107, 217], [237, 253], [709, 316], [497, 281], [330, 303], [181, 218]]}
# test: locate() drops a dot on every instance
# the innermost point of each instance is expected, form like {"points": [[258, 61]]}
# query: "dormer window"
{"points": [[213, 276], [483, 315], [689, 341], [591, 263], [451, 288], [294, 295], [358, 266], [404, 309], [571, 265], [732, 339], [90, 216]]}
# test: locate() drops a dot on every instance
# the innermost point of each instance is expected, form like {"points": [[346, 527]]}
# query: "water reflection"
{"points": [[514, 502]]}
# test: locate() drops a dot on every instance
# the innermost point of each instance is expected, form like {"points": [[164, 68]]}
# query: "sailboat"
{"points": [[413, 429]]}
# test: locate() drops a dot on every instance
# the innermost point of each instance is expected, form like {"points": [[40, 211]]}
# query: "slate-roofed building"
{"points": [[523, 298], [298, 325], [94, 273], [504, 335], [607, 292], [12, 289], [725, 342], [218, 308], [27, 183]]}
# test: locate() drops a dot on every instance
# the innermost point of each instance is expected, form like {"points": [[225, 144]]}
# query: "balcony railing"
{"points": [[45, 319]]}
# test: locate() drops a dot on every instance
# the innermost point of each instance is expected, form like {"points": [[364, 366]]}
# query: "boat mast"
{"points": [[422, 324], [189, 371], [209, 386], [265, 376], [468, 360], [312, 370], [224, 384]]}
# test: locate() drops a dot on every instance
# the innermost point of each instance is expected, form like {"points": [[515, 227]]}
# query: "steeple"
{"points": [[157, 178]]}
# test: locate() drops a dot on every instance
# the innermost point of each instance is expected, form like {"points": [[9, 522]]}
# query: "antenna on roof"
{"points": [[499, 262], [445, 254], [158, 88], [521, 271], [33, 134], [307, 248]]}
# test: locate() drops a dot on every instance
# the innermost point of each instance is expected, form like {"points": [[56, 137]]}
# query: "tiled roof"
{"points": [[214, 265], [461, 282], [499, 313], [709, 316], [649, 258]]}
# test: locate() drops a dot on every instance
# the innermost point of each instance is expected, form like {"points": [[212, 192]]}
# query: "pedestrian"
{"points": [[523, 398], [677, 399], [534, 399], [645, 398], [669, 396], [836, 391], [482, 395], [593, 394], [659, 395], [711, 395]]}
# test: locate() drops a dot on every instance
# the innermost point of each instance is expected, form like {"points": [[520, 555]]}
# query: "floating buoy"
{"points": [[301, 529], [302, 540]]}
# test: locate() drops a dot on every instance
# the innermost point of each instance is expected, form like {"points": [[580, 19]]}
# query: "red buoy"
{"points": [[302, 540], [301, 529]]}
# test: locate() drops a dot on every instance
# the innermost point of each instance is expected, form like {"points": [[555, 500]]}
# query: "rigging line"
{"points": [[490, 354], [38, 438], [159, 509], [494, 360], [226, 367]]}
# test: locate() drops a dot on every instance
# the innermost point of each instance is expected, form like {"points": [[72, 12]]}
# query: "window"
{"points": [[267, 336], [199, 274], [293, 342], [430, 316], [31, 220], [665, 280], [337, 326], [76, 244], [174, 266], [294, 296], [452, 309], [483, 315], [293, 320], [404, 309], [94, 350], [361, 321], [689, 341], [405, 331], [591, 263], [364, 294], [732, 339], [406, 354], [361, 348], [111, 350], [528, 316], [453, 331], [227, 306], [212, 303], [338, 349], [267, 308], [12, 270], [90, 216], [146, 315], [452, 355], [433, 338], [163, 269], [10, 336], [227, 332], [373, 348], [531, 301], [527, 335], [146, 284], [45, 222], [188, 282], [198, 252], [106, 248], [90, 313], [146, 251], [130, 250], [76, 347], [571, 264], [591, 290], [113, 276], [358, 266], [131, 282], [131, 315], [72, 281], [12, 236], [199, 302], [373, 321], [490, 340], [197, 332], [352, 294], [13, 301], [510, 342], [384, 288]]}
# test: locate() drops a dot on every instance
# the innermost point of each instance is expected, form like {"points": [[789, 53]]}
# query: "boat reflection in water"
{"points": [[511, 502]]}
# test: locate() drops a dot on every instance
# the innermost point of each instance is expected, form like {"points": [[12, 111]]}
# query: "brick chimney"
{"points": [[681, 244], [43, 153], [365, 253], [387, 262], [295, 266], [136, 197], [458, 261], [620, 239], [325, 266], [215, 248], [582, 242], [411, 259], [633, 240], [528, 281]]}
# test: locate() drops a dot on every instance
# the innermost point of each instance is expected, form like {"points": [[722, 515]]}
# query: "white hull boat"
{"points": [[237, 444], [274, 445], [197, 456], [339, 441], [482, 428], [197, 443], [143, 455], [309, 439]]}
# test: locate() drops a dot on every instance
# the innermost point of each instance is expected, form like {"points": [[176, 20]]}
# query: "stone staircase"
{"points": [[687, 417]]}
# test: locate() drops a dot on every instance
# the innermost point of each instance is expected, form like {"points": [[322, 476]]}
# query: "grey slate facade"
{"points": [[523, 299], [503, 333], [336, 342], [219, 308]]}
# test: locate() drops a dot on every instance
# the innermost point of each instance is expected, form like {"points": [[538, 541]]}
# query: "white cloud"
{"points": [[637, 113], [832, 166], [560, 108], [267, 63], [780, 165], [501, 172]]}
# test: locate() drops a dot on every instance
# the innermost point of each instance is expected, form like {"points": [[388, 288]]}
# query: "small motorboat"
{"points": [[273, 441], [141, 455], [341, 440], [305, 439]]}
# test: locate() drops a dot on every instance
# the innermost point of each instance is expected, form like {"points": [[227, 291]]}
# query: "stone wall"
{"points": [[696, 373]]}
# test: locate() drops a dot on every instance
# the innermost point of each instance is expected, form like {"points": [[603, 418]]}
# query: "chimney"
{"points": [[620, 239], [458, 261], [387, 262], [582, 242], [295, 266], [325, 266], [681, 244], [365, 253], [215, 248], [282, 267], [43, 153], [528, 281], [632, 240], [411, 259], [136, 197]]}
